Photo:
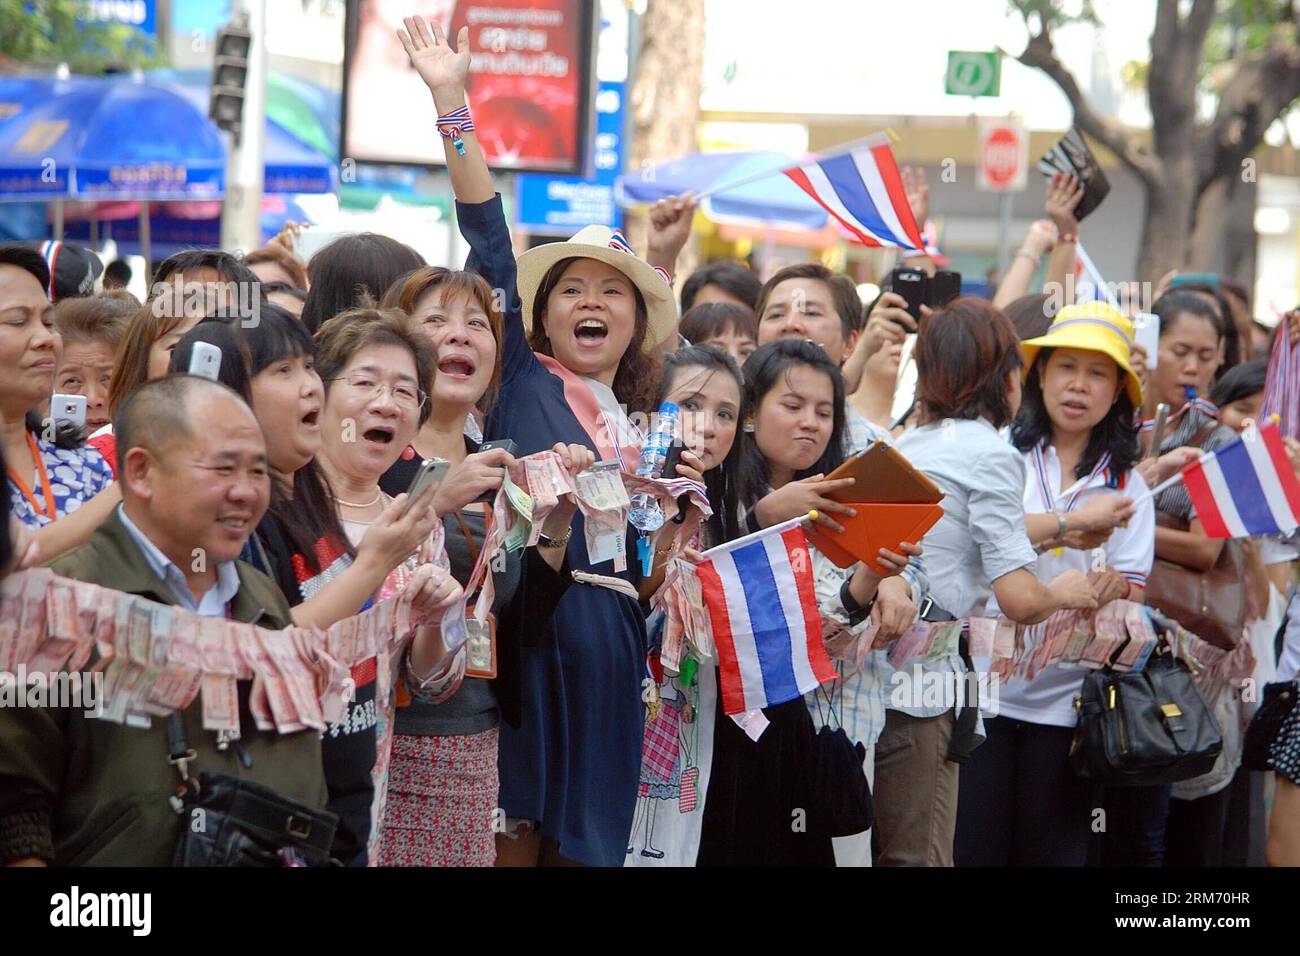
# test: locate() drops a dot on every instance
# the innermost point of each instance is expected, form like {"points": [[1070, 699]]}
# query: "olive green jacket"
{"points": [[76, 790]]}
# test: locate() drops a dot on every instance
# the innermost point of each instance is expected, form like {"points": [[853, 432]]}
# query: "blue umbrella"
{"points": [[291, 165], [772, 199], [108, 139], [169, 233]]}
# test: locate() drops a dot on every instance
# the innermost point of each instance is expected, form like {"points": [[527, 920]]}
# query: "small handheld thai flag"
{"points": [[1089, 286], [1246, 488], [863, 191], [758, 591]]}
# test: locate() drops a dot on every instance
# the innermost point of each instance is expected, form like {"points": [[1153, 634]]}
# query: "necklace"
{"points": [[353, 504]]}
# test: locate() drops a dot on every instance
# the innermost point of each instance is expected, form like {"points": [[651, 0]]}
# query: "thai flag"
{"points": [[758, 591], [863, 191], [1246, 488], [1089, 286]]}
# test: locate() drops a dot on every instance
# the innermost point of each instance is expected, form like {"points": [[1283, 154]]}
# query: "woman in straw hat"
{"points": [[1085, 509], [580, 347]]}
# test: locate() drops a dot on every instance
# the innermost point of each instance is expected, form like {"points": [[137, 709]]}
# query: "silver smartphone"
{"points": [[1146, 333], [205, 360], [68, 408], [431, 472]]}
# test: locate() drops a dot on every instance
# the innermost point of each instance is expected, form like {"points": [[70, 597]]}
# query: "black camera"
{"points": [[920, 289]]}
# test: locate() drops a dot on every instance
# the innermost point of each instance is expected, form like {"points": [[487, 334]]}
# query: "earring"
{"points": [[749, 427]]}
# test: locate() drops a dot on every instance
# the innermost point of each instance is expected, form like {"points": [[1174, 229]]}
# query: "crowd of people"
{"points": [[277, 495]]}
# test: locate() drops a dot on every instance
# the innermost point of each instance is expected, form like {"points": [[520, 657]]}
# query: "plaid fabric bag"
{"points": [[690, 795]]}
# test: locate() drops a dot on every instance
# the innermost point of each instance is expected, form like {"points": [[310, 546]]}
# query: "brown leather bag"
{"points": [[1214, 605]]}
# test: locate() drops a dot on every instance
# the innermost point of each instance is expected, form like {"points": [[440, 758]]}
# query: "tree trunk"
{"points": [[1210, 224], [666, 97]]}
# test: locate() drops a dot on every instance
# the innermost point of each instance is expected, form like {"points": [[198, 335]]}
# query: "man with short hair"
{"points": [[809, 301], [76, 790]]}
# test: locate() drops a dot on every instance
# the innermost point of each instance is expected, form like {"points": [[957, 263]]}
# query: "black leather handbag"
{"points": [[1280, 700], [234, 822], [1142, 728]]}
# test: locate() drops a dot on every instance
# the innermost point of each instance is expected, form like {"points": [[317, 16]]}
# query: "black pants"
{"points": [[1195, 831], [1216, 830], [1134, 832], [1019, 804]]}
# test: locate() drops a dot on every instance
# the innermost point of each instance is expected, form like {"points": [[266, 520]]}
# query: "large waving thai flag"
{"points": [[1246, 488], [758, 591], [863, 191]]}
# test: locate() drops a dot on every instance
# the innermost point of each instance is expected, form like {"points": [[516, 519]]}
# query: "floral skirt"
{"points": [[442, 802]]}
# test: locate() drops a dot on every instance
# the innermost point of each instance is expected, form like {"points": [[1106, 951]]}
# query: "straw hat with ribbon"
{"points": [[608, 246], [1095, 327]]}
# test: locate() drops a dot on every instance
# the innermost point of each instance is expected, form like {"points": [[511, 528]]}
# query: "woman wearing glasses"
{"points": [[375, 369]]}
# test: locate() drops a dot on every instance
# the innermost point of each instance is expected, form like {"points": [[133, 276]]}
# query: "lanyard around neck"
{"points": [[1073, 492], [46, 488]]}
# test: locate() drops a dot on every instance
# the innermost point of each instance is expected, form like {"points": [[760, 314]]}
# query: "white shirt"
{"points": [[981, 535], [1049, 697], [214, 601], [859, 433]]}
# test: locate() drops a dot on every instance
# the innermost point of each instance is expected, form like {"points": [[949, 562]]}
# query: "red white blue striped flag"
{"points": [[1246, 487], [863, 191], [762, 606]]}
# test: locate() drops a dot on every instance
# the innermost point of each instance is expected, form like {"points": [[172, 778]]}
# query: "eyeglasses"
{"points": [[405, 396]]}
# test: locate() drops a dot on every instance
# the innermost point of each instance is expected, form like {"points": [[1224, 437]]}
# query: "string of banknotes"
{"points": [[1123, 633], [154, 658]]}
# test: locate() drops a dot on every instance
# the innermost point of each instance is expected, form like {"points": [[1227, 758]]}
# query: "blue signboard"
{"points": [[564, 204], [141, 14]]}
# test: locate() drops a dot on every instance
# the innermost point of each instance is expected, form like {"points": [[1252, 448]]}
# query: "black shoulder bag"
{"points": [[1280, 700], [1147, 727], [233, 822]]}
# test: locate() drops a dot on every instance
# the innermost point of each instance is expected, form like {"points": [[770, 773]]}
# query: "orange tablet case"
{"points": [[894, 503]]}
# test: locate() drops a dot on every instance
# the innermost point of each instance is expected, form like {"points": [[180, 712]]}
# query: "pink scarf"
{"points": [[595, 422]]}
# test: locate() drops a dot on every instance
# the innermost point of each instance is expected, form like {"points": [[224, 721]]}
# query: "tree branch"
{"points": [[1040, 54], [1177, 47], [1264, 85]]}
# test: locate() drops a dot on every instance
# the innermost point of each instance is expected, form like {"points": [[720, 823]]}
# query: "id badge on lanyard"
{"points": [[481, 648]]}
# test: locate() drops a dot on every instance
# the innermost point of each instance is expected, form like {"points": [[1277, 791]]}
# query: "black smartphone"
{"points": [[944, 287], [496, 443], [671, 459], [509, 447], [430, 472], [911, 284]]}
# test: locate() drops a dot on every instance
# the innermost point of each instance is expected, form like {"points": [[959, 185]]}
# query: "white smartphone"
{"points": [[205, 360], [1146, 333], [68, 408], [431, 472], [311, 241]]}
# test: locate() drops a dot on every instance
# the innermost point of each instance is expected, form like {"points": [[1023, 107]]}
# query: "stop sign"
{"points": [[1003, 156]]}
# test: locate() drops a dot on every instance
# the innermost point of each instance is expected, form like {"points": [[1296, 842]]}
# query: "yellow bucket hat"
{"points": [[1095, 327]]}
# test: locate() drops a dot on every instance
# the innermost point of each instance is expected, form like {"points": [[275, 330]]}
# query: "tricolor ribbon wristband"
{"points": [[454, 125]]}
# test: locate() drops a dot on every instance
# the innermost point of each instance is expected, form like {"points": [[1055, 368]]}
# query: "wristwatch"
{"points": [[546, 541], [857, 612]]}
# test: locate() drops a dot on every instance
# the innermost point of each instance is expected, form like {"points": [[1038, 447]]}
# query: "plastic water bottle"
{"points": [[645, 512]]}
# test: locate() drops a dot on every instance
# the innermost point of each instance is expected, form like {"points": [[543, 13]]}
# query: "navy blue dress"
{"points": [[574, 761]]}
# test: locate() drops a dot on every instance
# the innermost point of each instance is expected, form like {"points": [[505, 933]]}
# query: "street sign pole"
{"points": [[241, 213], [1004, 234]]}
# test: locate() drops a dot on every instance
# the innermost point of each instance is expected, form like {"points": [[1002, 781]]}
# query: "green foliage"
{"points": [[1054, 13], [1245, 26], [49, 32]]}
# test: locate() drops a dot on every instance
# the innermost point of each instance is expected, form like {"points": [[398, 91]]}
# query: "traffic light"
{"points": [[229, 75]]}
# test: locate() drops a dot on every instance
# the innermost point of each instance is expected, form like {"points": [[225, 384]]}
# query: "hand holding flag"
{"points": [[1245, 488]]}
